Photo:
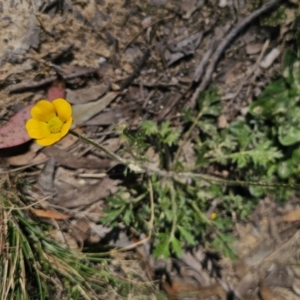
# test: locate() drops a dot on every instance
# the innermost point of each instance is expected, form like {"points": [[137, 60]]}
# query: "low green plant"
{"points": [[260, 154], [279, 105], [274, 18]]}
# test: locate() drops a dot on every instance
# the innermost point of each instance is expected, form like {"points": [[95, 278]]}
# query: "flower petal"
{"points": [[63, 109], [37, 129], [49, 140], [43, 111], [65, 128]]}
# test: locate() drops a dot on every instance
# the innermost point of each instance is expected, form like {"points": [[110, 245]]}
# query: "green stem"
{"points": [[199, 212], [132, 165], [239, 182], [140, 169], [174, 210]]}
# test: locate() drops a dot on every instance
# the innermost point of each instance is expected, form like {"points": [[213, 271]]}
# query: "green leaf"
{"points": [[273, 100], [296, 156], [296, 75], [162, 248], [208, 128], [176, 246], [208, 97], [242, 132], [289, 58], [127, 217], [171, 138], [221, 242], [164, 129], [288, 135], [257, 191], [213, 110], [262, 155], [149, 127], [111, 215], [285, 169], [186, 235]]}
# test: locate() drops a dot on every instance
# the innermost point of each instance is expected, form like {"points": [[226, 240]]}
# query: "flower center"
{"points": [[55, 124]]}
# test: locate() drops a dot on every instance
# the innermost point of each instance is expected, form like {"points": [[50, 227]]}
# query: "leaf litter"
{"points": [[130, 61]]}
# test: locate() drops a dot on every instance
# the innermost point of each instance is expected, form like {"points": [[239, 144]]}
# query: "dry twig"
{"points": [[225, 43]]}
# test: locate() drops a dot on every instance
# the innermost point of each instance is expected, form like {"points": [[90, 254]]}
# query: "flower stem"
{"points": [[132, 165], [135, 167]]}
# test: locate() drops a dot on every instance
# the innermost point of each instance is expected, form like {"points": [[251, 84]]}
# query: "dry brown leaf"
{"points": [[188, 7], [81, 231], [112, 116], [88, 194], [30, 157], [182, 46], [71, 161], [84, 112], [152, 157], [45, 180], [188, 153], [180, 288], [270, 58], [87, 94], [292, 216], [49, 214], [67, 176], [267, 294], [65, 239]]}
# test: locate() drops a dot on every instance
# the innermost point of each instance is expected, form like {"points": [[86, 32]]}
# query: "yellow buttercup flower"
{"points": [[213, 216], [50, 121]]}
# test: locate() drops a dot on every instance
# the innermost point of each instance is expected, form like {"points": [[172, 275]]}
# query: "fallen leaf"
{"points": [[188, 7], [13, 133], [29, 157], [57, 90], [179, 288], [293, 216], [112, 116], [84, 112], [81, 231], [267, 294], [67, 176], [32, 37], [81, 96], [181, 47], [45, 179], [64, 238], [49, 214], [253, 48], [88, 194], [71, 161], [270, 58], [98, 231], [152, 158]]}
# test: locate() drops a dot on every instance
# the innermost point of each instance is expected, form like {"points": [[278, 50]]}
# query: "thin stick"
{"points": [[228, 39], [135, 37], [32, 85]]}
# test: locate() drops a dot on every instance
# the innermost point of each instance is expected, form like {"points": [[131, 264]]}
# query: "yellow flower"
{"points": [[213, 216], [50, 121]]}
